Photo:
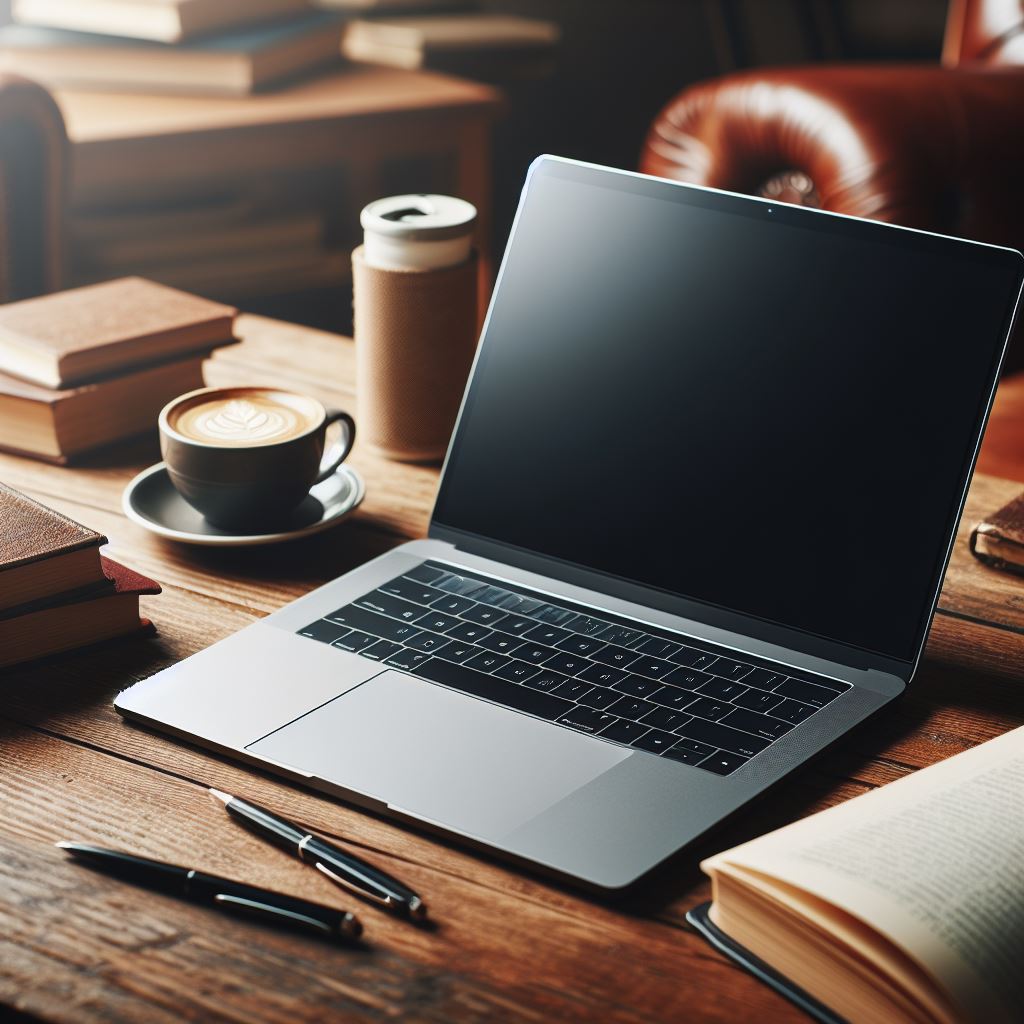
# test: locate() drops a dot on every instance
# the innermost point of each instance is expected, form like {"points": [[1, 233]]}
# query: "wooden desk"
{"points": [[75, 946]]}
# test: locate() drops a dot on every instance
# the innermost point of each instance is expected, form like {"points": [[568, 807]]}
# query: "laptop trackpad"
{"points": [[437, 754]]}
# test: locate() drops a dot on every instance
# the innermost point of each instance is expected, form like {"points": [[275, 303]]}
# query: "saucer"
{"points": [[151, 501]]}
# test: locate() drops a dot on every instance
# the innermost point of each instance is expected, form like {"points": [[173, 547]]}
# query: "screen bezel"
{"points": [[769, 631]]}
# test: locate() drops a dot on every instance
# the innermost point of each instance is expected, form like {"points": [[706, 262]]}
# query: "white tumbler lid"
{"points": [[419, 218]]}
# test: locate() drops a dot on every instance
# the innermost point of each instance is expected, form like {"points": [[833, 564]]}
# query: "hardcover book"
{"points": [[78, 336], [998, 541]]}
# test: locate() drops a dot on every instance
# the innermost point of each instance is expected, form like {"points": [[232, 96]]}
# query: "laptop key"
{"points": [[683, 755], [757, 700], [603, 675], [451, 604], [427, 642], [491, 595], [545, 680], [672, 697], [723, 763], [586, 624], [354, 641], [470, 632], [380, 650], [657, 648], [723, 737], [517, 671], [586, 720], [575, 644], [553, 616], [410, 590], [621, 636], [721, 689], [509, 601], [516, 624], [792, 711], [324, 631], [697, 748], [760, 725], [407, 659], [487, 661], [482, 614], [623, 731], [599, 697], [665, 718], [385, 604], [436, 622], [461, 585], [655, 741], [730, 669], [706, 707], [535, 653], [617, 657], [544, 634], [371, 622], [502, 643], [511, 695], [630, 707], [573, 689], [764, 679], [457, 651], [807, 693], [637, 686], [654, 668], [692, 658], [687, 678], [424, 573], [570, 664]]}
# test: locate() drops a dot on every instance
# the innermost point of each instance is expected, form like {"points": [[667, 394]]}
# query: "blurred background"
{"points": [[232, 159]]}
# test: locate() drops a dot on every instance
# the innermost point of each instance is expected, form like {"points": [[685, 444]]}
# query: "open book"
{"points": [[904, 904]]}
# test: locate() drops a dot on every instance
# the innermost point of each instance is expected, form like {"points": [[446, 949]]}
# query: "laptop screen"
{"points": [[759, 408]]}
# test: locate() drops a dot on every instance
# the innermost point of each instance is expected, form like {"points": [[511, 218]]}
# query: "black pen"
{"points": [[343, 868], [220, 893]]}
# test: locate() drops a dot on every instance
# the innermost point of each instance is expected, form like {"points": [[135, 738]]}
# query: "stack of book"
{"points": [[84, 368], [57, 592]]}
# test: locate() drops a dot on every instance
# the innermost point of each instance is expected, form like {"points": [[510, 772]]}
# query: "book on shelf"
{"points": [[61, 425], [79, 336], [237, 62], [447, 40], [903, 904], [166, 21], [43, 553], [998, 540], [79, 619]]}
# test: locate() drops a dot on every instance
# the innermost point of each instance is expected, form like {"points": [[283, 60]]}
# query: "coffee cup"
{"points": [[245, 457]]}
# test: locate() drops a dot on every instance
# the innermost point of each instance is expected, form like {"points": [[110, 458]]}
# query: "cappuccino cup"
{"points": [[245, 457]]}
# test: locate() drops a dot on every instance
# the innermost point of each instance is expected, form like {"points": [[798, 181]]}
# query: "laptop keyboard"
{"points": [[664, 693]]}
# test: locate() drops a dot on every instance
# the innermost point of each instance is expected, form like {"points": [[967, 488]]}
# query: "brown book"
{"points": [[63, 625], [43, 553], [58, 426], [902, 904], [999, 540], [79, 336]]}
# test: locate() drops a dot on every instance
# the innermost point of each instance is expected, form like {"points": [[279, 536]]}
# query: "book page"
{"points": [[935, 862]]}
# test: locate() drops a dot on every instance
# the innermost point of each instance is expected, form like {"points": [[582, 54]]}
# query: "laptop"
{"points": [[690, 530]]}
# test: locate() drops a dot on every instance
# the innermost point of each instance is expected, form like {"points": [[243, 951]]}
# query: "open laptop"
{"points": [[691, 529]]}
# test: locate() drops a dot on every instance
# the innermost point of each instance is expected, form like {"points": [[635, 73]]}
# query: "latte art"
{"points": [[250, 420]]}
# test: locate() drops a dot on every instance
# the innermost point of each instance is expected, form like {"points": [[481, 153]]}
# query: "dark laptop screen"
{"points": [[769, 412]]}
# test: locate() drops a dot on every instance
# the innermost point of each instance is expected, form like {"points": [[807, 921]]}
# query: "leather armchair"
{"points": [[935, 147], [33, 190]]}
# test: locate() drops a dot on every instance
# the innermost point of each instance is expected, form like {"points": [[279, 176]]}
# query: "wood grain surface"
{"points": [[78, 946]]}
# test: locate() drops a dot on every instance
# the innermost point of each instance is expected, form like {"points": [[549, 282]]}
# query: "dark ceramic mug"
{"points": [[246, 457]]}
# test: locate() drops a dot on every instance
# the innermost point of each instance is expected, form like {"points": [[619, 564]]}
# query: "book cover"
{"points": [[80, 335], [998, 540]]}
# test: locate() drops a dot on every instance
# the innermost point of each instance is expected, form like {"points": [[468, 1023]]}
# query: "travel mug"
{"points": [[415, 313]]}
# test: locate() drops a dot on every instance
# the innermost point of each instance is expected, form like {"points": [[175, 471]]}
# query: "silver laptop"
{"points": [[691, 529]]}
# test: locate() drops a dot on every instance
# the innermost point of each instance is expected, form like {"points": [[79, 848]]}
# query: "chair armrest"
{"points": [[927, 147], [33, 189]]}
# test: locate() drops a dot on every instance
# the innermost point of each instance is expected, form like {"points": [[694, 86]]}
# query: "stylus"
{"points": [[220, 893], [340, 867]]}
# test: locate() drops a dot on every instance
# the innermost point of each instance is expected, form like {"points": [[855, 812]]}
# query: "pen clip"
{"points": [[382, 901], [255, 909]]}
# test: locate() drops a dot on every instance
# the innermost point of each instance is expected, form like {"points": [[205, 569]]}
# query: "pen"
{"points": [[342, 868], [220, 893]]}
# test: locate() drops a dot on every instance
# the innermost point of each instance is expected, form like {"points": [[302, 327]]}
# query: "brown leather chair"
{"points": [[33, 190]]}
